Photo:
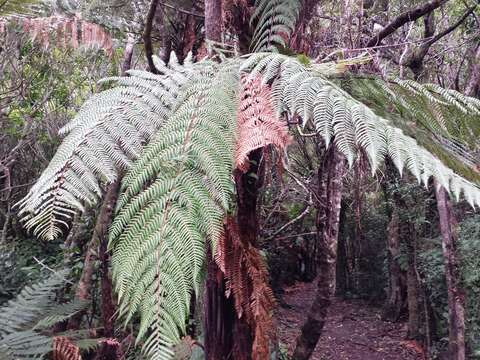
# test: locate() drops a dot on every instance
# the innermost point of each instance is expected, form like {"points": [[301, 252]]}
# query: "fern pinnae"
{"points": [[275, 19], [182, 175], [370, 132], [109, 132]]}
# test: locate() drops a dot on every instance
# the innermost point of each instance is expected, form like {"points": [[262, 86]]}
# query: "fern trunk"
{"points": [[328, 215], [456, 295], [228, 336]]}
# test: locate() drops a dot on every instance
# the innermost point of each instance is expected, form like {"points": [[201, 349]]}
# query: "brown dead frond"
{"points": [[257, 124], [64, 349], [247, 280], [62, 31]]}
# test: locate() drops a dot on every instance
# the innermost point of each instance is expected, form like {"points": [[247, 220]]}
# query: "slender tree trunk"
{"points": [[413, 294], [100, 233], [330, 191], [108, 305], [394, 305], [473, 84], [128, 54], [213, 20], [147, 36], [456, 296], [342, 271]]}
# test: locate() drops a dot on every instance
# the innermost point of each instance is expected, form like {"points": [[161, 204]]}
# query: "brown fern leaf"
{"points": [[64, 31], [247, 280], [64, 349], [257, 124]]}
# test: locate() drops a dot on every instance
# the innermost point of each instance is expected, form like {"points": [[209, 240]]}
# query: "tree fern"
{"points": [[173, 199], [353, 125], [34, 309], [275, 20], [449, 118], [109, 132]]}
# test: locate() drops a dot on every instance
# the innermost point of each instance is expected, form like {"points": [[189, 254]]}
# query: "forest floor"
{"points": [[354, 330]]}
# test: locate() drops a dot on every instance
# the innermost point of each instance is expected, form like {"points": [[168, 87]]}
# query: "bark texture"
{"points": [[330, 192], [473, 85], [213, 20], [456, 296], [100, 235], [395, 296], [402, 19]]}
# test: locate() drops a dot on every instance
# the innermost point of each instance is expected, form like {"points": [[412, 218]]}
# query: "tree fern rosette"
{"points": [[173, 200]]}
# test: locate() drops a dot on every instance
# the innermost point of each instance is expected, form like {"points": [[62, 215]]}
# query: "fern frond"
{"points": [[26, 345], [356, 127], [64, 349], [433, 115], [247, 281], [107, 134], [33, 309], [258, 126], [275, 20], [173, 199], [31, 305]]}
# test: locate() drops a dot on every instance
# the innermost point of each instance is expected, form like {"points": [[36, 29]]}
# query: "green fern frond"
{"points": [[275, 20], [11, 7], [173, 199], [34, 309], [443, 121], [354, 126], [25, 345], [108, 133]]}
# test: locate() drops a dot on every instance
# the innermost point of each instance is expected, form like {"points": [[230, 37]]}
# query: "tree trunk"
{"points": [[414, 331], [128, 54], [473, 84], [108, 305], [456, 296], [394, 305], [213, 20], [100, 235], [219, 315], [328, 214]]}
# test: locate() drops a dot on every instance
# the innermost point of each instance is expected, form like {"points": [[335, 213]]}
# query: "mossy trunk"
{"points": [[456, 295], [328, 214]]}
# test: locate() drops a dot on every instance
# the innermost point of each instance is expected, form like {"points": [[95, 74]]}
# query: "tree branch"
{"points": [[404, 18], [451, 28], [147, 36]]}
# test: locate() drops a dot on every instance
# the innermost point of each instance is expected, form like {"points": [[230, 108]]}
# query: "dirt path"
{"points": [[354, 331]]}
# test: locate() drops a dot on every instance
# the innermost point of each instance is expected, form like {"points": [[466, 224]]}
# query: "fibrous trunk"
{"points": [[328, 214], [238, 298], [456, 296]]}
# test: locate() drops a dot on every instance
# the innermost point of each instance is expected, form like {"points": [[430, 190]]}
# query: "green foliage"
{"points": [[173, 199], [432, 267], [275, 20], [304, 92], [109, 132], [34, 309], [9, 7], [445, 122]]}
